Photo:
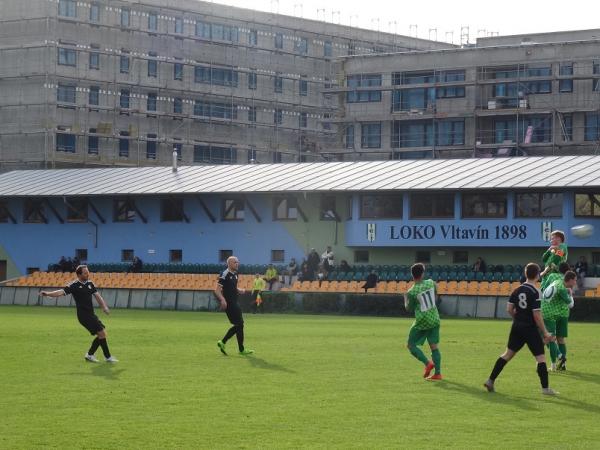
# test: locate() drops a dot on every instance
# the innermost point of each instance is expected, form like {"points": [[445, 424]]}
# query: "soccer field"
{"points": [[314, 382]]}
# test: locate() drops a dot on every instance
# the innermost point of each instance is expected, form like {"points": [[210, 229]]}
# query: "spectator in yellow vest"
{"points": [[271, 276], [258, 285]]}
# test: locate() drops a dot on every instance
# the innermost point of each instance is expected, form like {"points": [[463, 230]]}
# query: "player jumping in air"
{"points": [[556, 254]]}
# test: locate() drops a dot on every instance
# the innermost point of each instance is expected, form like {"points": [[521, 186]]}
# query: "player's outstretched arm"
{"points": [[101, 302], [539, 321], [57, 293]]}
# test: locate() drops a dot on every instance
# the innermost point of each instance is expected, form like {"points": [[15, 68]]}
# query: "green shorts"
{"points": [[558, 327], [418, 337]]}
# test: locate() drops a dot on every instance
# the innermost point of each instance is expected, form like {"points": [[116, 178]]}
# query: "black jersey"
{"points": [[228, 281], [82, 294], [526, 298]]}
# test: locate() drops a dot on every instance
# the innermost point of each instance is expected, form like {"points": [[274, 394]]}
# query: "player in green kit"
{"points": [[556, 302], [421, 299], [556, 254]]}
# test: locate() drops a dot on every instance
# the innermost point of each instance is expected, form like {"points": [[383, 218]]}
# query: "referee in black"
{"points": [[82, 291], [227, 293], [528, 328]]}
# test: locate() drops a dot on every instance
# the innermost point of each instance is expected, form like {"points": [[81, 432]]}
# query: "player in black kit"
{"points": [[82, 291], [524, 306], [227, 293]]}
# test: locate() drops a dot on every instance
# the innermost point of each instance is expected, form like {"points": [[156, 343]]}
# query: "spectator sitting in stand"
{"points": [[271, 276], [344, 266], [321, 274], [581, 269], [305, 273], [479, 265], [327, 259], [371, 281], [291, 271], [313, 260], [136, 265]]}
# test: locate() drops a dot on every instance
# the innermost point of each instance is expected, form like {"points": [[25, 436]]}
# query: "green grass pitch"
{"points": [[314, 382]]}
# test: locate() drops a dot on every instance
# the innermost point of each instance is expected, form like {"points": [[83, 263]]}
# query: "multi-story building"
{"points": [[514, 95], [123, 82]]}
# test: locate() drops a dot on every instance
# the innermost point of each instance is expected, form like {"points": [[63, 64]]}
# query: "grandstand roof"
{"points": [[403, 175]]}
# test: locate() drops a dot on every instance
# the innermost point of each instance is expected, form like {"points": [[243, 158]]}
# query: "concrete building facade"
{"points": [[504, 96], [124, 82]]}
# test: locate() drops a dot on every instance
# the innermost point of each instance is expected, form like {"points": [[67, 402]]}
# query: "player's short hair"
{"points": [[417, 270], [570, 275], [532, 270], [559, 233], [564, 267], [80, 268]]}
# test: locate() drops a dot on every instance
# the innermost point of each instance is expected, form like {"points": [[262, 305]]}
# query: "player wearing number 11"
{"points": [[421, 299]]}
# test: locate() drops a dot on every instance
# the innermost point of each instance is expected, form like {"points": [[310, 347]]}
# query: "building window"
{"points": [[328, 208], [175, 255], [565, 71], [179, 25], [285, 208], [125, 17], [596, 81], [151, 102], [4, 212], [422, 256], [127, 255], [460, 257], [177, 106], [33, 211], [232, 209], [252, 155], [538, 205], [592, 127], [124, 144], [217, 76], [66, 93], [77, 209], [124, 63], [66, 142], [358, 81], [178, 71], [221, 32], [93, 142], [361, 256], [587, 205], [327, 49], [152, 65], [124, 210], [278, 83], [124, 98], [151, 146], [94, 58], [301, 46], [81, 254], [277, 256], [566, 126], [277, 157], [431, 206], [152, 22], [482, 206], [381, 206], [279, 41], [541, 129], [450, 132], [349, 138], [303, 86], [252, 114], [370, 135], [278, 117], [202, 29], [253, 37], [67, 8], [418, 133], [211, 154], [224, 254], [67, 57], [171, 210], [252, 79], [217, 110], [94, 96], [303, 120], [505, 130], [94, 13], [413, 99]]}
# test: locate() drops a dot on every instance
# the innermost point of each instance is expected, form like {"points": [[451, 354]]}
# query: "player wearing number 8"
{"points": [[524, 307], [421, 299]]}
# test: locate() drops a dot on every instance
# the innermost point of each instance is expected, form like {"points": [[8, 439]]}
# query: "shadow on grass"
{"points": [[582, 376], [481, 394], [260, 363], [108, 371]]}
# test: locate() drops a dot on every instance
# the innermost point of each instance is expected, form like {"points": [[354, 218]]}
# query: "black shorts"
{"points": [[90, 322], [234, 313], [521, 335]]}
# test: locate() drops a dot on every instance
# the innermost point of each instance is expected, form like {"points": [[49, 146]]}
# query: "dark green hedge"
{"points": [[586, 309], [375, 305]]}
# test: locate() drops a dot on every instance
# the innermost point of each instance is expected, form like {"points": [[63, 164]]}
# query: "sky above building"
{"points": [[440, 20]]}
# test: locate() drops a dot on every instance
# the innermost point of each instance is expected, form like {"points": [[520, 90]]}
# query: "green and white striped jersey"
{"points": [[421, 299]]}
